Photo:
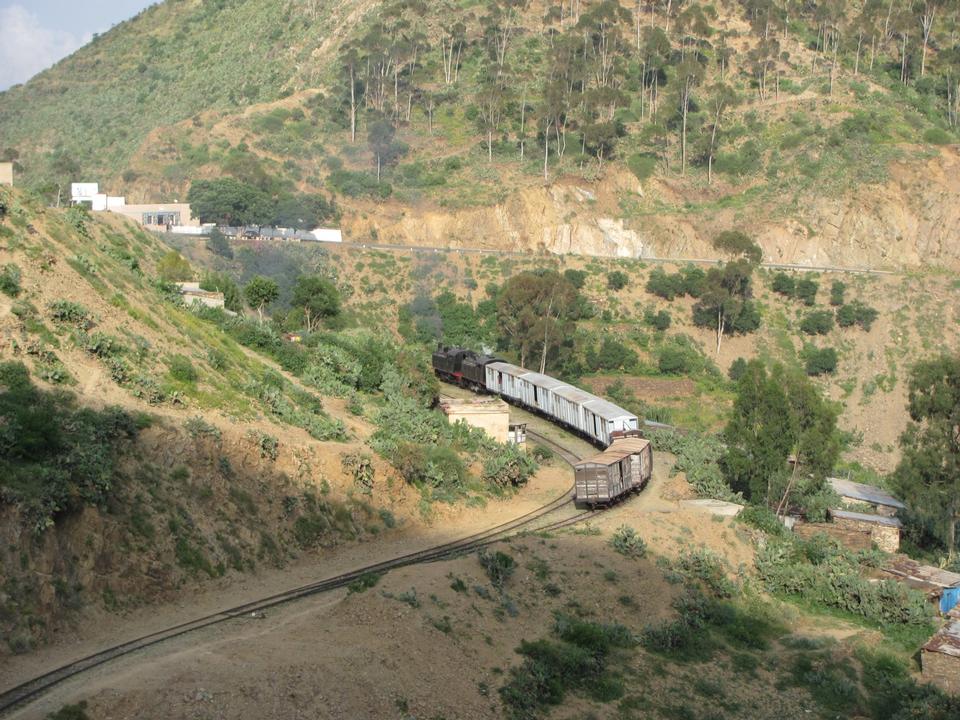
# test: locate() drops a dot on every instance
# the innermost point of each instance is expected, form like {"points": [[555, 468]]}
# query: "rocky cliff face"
{"points": [[912, 220]]}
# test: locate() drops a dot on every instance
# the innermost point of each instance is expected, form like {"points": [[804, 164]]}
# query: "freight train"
{"points": [[627, 462]]}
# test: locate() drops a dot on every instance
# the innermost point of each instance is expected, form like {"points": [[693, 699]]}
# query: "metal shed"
{"points": [[624, 466], [536, 390], [940, 658], [853, 492]]}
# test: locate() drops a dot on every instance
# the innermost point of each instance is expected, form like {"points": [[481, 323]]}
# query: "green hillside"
{"points": [[759, 104]]}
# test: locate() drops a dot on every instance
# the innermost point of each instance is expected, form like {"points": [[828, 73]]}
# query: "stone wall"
{"points": [[941, 669], [883, 536]]}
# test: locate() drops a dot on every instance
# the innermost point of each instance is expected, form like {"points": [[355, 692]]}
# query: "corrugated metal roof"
{"points": [[864, 517], [864, 493], [928, 577], [616, 452], [543, 381], [575, 394], [508, 369], [607, 410], [946, 640]]}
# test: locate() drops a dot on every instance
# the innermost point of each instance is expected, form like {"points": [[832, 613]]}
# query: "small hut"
{"points": [[490, 414], [940, 658]]}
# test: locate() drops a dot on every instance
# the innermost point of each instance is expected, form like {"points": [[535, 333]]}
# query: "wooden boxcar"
{"points": [[624, 466]]}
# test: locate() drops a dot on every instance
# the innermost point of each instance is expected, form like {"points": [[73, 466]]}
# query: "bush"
{"points": [[642, 165], [673, 361], [737, 368], [658, 321], [819, 322], [626, 542], [182, 369], [762, 518], [617, 280], [835, 581], [509, 467], [577, 278], [837, 290], [806, 291], [71, 313], [938, 136], [10, 280], [857, 313], [820, 362], [54, 457], [498, 565], [663, 285], [784, 284]]}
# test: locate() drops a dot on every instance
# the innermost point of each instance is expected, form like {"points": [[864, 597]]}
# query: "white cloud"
{"points": [[26, 47]]}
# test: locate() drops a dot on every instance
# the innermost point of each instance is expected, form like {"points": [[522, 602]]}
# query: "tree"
{"points": [[227, 201], [174, 268], [689, 75], [317, 297], [534, 312], [738, 243], [218, 244], [725, 303], [260, 292], [928, 475], [776, 415], [380, 137], [223, 283], [838, 288], [722, 96]]}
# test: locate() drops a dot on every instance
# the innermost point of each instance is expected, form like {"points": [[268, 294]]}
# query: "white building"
{"points": [[166, 216]]}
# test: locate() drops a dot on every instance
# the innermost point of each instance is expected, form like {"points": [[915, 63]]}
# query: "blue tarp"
{"points": [[949, 599]]}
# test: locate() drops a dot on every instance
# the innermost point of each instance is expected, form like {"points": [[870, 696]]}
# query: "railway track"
{"points": [[22, 694]]}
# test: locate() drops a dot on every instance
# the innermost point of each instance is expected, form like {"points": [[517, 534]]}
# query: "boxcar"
{"points": [[504, 379], [536, 391], [603, 419], [624, 466]]}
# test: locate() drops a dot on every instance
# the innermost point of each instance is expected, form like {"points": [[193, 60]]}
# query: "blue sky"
{"points": [[34, 34]]}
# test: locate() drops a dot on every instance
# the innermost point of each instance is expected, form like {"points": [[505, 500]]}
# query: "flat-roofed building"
{"points": [[492, 415], [6, 173]]}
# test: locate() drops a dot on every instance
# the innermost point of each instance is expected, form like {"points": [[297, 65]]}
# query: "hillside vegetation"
{"points": [[652, 122], [146, 445]]}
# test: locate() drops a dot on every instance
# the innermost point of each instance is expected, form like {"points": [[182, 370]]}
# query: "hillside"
{"points": [[589, 127], [145, 450]]}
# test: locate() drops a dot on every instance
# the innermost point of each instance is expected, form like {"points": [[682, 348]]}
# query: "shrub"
{"points": [[762, 518], [818, 322], [617, 280], [820, 362], [182, 369], [663, 285], [626, 542], [577, 278], [673, 361], [659, 321], [509, 467], [856, 313], [937, 136], [71, 313], [498, 565], [10, 280], [837, 290], [737, 368], [835, 581], [806, 291], [642, 165], [784, 284]]}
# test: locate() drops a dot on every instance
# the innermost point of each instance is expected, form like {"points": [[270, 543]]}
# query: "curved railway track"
{"points": [[22, 694]]}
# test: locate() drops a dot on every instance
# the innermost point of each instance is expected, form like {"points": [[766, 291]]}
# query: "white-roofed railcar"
{"points": [[537, 390], [504, 379], [604, 418]]}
